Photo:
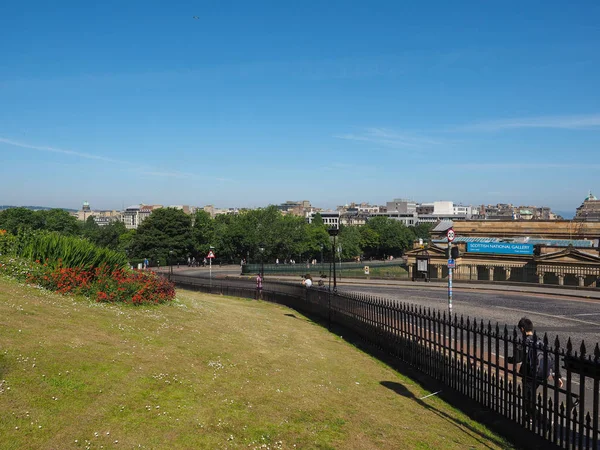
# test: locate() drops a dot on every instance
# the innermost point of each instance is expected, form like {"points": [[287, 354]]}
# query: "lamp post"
{"points": [[170, 264], [333, 232], [321, 254], [261, 247], [340, 256]]}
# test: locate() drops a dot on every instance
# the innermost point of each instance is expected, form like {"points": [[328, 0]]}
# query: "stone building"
{"points": [[558, 252], [589, 209]]}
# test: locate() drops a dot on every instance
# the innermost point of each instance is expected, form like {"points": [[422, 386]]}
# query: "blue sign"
{"points": [[451, 264], [503, 248]]}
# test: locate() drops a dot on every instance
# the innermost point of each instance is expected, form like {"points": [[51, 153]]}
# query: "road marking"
{"points": [[548, 315], [587, 314]]}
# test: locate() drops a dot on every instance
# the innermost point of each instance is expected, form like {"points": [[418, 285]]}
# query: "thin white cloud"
{"points": [[59, 150], [575, 122], [389, 138], [142, 170], [540, 166], [166, 174]]}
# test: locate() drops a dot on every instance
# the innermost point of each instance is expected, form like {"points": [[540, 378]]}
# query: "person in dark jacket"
{"points": [[524, 354]]}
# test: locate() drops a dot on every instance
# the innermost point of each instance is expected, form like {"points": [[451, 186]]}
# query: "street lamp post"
{"points": [[340, 256], [170, 264], [321, 254], [261, 247]]}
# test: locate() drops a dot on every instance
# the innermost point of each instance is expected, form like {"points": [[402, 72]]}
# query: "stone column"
{"points": [[507, 270], [410, 271], [540, 277], [439, 272], [581, 281], [470, 271], [491, 269], [561, 279]]}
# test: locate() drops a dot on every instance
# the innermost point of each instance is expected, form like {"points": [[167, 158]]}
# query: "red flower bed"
{"points": [[106, 285]]}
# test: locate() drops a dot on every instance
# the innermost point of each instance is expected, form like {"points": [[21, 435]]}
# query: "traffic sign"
{"points": [[451, 264], [211, 255], [366, 270], [450, 234]]}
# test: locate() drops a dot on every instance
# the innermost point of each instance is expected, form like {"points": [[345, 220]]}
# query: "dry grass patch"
{"points": [[204, 372]]}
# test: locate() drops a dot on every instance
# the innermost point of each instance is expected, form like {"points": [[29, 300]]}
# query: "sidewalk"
{"points": [[565, 291]]}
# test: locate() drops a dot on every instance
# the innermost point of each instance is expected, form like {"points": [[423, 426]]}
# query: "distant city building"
{"points": [[214, 212], [589, 209], [408, 219], [462, 210], [331, 219], [507, 211], [401, 205], [101, 217], [297, 208], [185, 208], [134, 215]]}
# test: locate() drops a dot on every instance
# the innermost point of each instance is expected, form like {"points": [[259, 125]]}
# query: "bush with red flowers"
{"points": [[104, 284], [95, 273]]}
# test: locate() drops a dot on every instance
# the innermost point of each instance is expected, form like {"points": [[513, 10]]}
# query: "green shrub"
{"points": [[66, 251]]}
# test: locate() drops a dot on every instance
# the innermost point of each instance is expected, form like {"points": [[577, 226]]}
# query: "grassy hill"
{"points": [[205, 372]]}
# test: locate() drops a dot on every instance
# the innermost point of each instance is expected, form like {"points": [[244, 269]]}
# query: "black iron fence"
{"points": [[350, 269], [478, 360]]}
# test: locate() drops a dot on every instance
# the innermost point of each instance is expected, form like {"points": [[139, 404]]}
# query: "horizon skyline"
{"points": [[325, 208], [248, 104]]}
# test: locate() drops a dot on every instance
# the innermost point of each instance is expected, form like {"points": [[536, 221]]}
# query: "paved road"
{"points": [[560, 316]]}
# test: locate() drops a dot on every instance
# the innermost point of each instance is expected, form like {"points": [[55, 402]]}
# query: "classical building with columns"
{"points": [[542, 253]]}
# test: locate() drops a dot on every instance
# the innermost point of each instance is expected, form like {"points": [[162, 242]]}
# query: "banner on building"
{"points": [[503, 248]]}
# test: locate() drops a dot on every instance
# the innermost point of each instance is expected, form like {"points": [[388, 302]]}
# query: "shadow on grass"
{"points": [[465, 427], [291, 315]]}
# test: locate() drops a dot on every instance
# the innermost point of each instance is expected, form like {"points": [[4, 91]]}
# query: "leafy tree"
{"points": [[166, 230], [369, 241], [110, 235], [383, 236], [350, 241], [318, 238], [422, 230], [14, 219], [89, 229], [59, 220], [291, 238], [203, 233]]}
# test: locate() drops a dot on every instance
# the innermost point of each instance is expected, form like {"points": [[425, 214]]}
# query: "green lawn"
{"points": [[205, 372]]}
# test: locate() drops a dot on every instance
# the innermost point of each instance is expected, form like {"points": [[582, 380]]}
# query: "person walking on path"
{"points": [[530, 355], [259, 287]]}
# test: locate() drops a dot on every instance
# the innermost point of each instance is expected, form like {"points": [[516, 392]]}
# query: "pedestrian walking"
{"points": [[536, 366], [259, 287]]}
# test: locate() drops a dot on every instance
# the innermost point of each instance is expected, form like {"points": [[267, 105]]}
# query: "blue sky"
{"points": [[253, 103]]}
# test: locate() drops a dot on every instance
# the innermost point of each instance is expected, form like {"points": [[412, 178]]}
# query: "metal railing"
{"points": [[323, 268], [473, 358]]}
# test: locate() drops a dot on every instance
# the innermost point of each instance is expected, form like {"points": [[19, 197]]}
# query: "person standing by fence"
{"points": [[536, 366], [259, 287]]}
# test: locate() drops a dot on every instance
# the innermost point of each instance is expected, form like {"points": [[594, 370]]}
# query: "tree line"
{"points": [[169, 235]]}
